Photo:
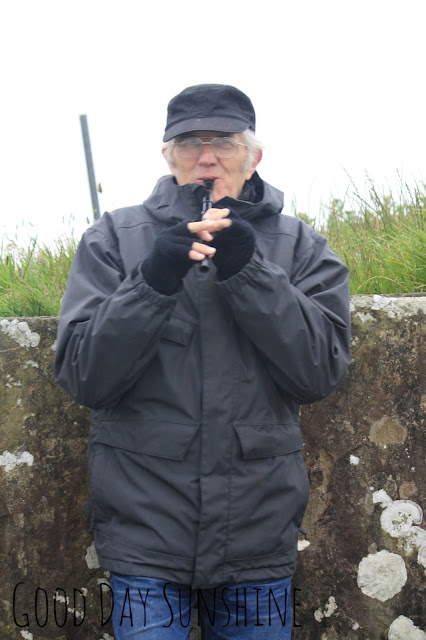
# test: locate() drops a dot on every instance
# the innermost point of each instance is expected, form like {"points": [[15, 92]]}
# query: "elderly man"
{"points": [[194, 341]]}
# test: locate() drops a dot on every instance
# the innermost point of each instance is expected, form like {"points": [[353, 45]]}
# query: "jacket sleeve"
{"points": [[109, 327], [300, 327]]}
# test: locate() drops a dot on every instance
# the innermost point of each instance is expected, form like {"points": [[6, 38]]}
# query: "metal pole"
{"points": [[90, 169]]}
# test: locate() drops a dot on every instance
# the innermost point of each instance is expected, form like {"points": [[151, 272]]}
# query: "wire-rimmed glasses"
{"points": [[222, 147]]}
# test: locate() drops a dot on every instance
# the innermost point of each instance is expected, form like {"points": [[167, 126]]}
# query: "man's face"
{"points": [[229, 174]]}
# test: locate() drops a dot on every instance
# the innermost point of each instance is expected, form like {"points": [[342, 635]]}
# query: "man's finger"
{"points": [[205, 249], [216, 214], [209, 225], [201, 251], [205, 235]]}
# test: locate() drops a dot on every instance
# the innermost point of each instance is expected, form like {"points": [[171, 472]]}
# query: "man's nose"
{"points": [[207, 156]]}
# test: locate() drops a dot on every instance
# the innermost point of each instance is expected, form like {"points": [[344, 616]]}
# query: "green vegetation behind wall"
{"points": [[382, 240], [32, 280]]}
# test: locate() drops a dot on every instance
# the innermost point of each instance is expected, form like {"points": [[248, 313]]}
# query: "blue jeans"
{"points": [[153, 609]]}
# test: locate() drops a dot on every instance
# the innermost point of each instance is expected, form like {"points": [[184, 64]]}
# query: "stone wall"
{"points": [[362, 566]]}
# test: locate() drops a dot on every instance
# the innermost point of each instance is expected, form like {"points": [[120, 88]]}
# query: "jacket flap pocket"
{"points": [[268, 440], [154, 438], [177, 330]]}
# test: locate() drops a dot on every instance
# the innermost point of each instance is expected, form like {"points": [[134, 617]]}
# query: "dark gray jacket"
{"points": [[195, 463]]}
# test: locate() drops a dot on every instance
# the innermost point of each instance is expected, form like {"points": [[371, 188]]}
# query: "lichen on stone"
{"points": [[330, 608], [398, 518], [415, 539], [381, 497], [31, 363], [421, 556], [388, 430], [302, 545], [382, 575], [388, 304], [403, 629], [10, 460], [20, 332], [91, 557]]}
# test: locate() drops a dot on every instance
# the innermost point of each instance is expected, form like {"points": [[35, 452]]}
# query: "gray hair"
{"points": [[253, 147]]}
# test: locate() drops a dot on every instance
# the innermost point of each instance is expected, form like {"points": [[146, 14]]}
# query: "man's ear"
{"points": [[252, 168], [170, 162]]}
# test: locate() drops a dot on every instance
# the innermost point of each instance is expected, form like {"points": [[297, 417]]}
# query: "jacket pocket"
{"points": [[144, 484], [269, 490], [178, 331], [162, 439], [265, 441]]}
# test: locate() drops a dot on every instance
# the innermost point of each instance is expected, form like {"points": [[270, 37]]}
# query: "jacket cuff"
{"points": [[145, 292], [249, 274]]}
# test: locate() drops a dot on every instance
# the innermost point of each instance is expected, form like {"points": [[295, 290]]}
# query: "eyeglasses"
{"points": [[221, 147]]}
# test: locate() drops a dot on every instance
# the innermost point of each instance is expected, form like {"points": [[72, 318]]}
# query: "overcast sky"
{"points": [[337, 85]]}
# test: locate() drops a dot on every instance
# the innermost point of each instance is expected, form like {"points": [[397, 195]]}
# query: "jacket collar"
{"points": [[171, 202]]}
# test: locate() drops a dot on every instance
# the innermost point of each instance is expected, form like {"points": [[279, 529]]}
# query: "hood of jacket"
{"points": [[174, 203]]}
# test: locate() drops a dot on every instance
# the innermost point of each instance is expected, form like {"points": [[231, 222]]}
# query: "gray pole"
{"points": [[90, 169]]}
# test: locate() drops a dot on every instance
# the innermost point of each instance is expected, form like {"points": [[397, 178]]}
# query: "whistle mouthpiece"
{"points": [[208, 184]]}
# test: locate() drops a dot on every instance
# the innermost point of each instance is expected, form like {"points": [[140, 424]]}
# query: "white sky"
{"points": [[337, 85]]}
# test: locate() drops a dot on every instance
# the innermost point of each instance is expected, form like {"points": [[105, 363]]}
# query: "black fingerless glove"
{"points": [[234, 247], [169, 262]]}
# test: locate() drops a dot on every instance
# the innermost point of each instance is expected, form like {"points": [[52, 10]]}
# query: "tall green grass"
{"points": [[32, 280], [381, 238]]}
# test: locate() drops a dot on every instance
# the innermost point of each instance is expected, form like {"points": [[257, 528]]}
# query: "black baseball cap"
{"points": [[209, 107]]}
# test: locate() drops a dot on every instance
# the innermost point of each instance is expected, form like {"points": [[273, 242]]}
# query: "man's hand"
{"points": [[233, 239], [235, 245], [175, 251]]}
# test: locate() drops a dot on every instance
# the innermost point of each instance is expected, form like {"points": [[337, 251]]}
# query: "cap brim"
{"points": [[227, 125]]}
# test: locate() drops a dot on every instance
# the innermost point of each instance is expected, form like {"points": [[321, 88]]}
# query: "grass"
{"points": [[32, 280], [382, 240]]}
